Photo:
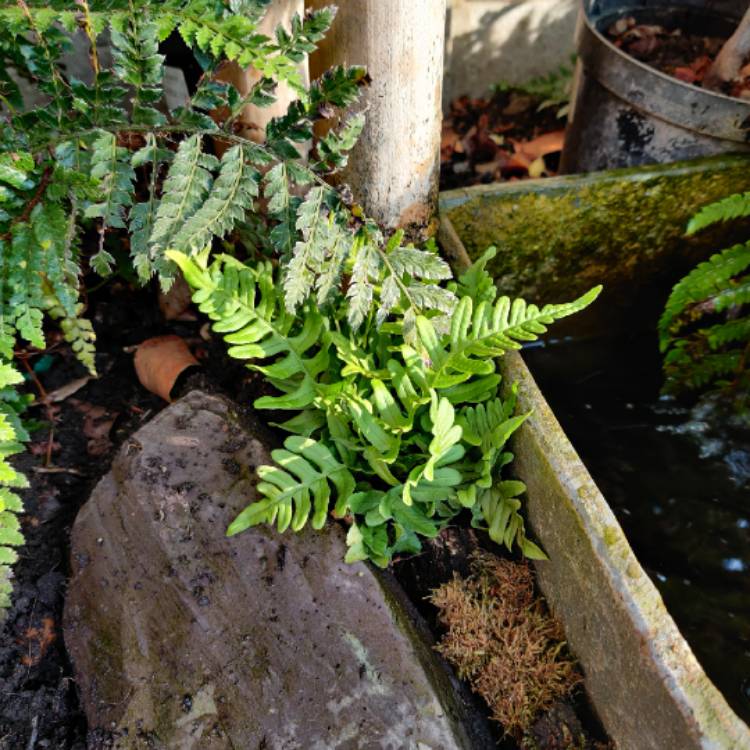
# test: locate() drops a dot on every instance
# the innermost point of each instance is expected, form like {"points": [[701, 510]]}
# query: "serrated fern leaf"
{"points": [[231, 196], [185, 189], [319, 256], [734, 207], [12, 436], [143, 214], [685, 371], [110, 165], [365, 273], [706, 280], [300, 484], [135, 50]]}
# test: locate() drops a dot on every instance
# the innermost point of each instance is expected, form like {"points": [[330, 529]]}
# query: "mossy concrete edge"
{"points": [[558, 237], [642, 677]]}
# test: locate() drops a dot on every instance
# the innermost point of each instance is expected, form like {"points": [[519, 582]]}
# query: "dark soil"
{"points": [[499, 138], [682, 55]]}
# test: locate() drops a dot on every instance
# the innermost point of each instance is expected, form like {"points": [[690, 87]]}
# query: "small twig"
{"points": [[58, 470], [34, 733]]}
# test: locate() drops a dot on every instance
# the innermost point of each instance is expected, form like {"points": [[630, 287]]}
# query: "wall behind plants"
{"points": [[510, 40]]}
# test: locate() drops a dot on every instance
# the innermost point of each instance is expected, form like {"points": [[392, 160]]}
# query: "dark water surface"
{"points": [[678, 479]]}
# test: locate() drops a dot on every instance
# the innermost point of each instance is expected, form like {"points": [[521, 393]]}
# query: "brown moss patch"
{"points": [[502, 641]]}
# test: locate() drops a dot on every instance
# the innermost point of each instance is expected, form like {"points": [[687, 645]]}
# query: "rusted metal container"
{"points": [[626, 113]]}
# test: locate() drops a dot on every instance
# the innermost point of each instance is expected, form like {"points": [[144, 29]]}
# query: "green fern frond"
{"points": [[137, 62], [734, 296], [706, 280], [684, 371], [477, 336], [729, 332], [499, 507], [365, 273], [299, 484], [12, 437], [332, 150], [250, 312], [731, 208], [143, 214], [110, 164], [318, 257], [186, 187], [231, 196], [475, 282]]}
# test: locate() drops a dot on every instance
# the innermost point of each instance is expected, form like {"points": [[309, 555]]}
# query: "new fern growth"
{"points": [[704, 330], [398, 424]]}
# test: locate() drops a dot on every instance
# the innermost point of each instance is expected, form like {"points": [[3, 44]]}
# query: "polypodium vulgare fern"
{"points": [[398, 426], [704, 330]]}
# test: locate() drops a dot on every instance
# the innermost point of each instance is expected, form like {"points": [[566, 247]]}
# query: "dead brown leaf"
{"points": [[159, 361], [38, 640], [97, 424], [545, 144], [67, 390], [174, 303]]}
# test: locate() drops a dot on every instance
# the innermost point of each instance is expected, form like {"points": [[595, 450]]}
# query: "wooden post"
{"points": [[254, 119], [394, 169]]}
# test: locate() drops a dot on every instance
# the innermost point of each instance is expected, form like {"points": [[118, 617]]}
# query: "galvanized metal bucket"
{"points": [[626, 113]]}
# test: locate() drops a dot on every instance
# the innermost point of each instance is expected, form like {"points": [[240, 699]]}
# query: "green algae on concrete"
{"points": [[561, 236]]}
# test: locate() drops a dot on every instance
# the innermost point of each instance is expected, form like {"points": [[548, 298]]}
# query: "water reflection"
{"points": [[678, 478]]}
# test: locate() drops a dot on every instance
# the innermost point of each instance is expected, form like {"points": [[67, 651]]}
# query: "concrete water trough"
{"points": [[556, 237]]}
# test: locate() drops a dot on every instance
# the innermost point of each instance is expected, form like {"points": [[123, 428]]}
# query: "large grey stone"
{"points": [[184, 638]]}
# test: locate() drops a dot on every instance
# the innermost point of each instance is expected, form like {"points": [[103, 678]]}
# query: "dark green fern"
{"points": [[704, 331], [105, 157]]}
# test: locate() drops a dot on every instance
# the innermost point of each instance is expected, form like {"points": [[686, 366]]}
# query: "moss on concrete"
{"points": [[561, 236]]}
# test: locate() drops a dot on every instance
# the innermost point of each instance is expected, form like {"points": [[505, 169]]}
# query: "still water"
{"points": [[678, 478]]}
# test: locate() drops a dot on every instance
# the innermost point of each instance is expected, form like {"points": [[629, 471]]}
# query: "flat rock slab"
{"points": [[184, 638]]}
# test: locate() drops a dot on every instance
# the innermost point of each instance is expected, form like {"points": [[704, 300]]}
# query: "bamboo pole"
{"points": [[394, 169], [253, 120]]}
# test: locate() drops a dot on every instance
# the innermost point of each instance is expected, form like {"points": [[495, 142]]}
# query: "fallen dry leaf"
{"points": [[159, 361], [67, 390], [97, 424], [174, 303], [38, 640], [545, 144]]}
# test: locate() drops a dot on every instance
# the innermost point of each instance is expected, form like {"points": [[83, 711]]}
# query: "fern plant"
{"points": [[398, 424], [105, 158], [704, 331], [110, 156], [12, 437]]}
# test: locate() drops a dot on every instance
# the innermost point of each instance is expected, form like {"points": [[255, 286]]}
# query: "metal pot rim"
{"points": [[669, 98]]}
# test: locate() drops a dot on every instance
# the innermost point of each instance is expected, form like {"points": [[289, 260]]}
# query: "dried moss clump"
{"points": [[502, 641]]}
